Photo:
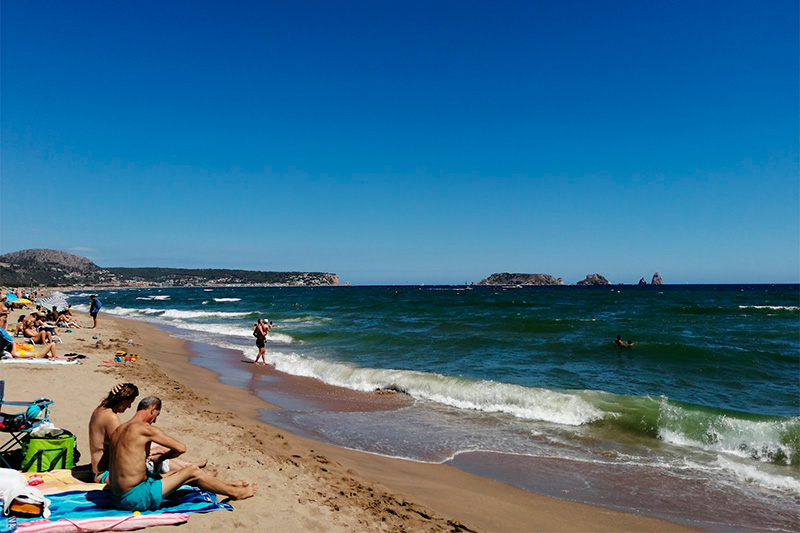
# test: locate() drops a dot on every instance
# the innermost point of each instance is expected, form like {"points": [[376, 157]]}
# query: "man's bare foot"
{"points": [[242, 493], [239, 483]]}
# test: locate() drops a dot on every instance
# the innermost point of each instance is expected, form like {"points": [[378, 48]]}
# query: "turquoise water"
{"points": [[708, 398]]}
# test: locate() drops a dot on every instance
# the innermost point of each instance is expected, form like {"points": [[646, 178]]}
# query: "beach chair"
{"points": [[17, 419]]}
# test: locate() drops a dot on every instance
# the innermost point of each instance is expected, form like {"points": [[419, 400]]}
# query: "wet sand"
{"points": [[304, 485]]}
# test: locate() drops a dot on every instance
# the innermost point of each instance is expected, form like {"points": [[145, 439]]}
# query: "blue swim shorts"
{"points": [[101, 477], [146, 496]]}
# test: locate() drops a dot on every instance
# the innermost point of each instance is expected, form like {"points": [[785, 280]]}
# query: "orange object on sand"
{"points": [[25, 508]]}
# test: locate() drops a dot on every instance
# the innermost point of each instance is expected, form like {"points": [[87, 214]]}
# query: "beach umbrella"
{"points": [[51, 301], [11, 297]]}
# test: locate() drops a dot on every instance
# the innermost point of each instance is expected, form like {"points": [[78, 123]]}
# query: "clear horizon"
{"points": [[409, 143]]}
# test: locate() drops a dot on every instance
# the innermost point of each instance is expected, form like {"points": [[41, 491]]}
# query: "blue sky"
{"points": [[407, 142]]}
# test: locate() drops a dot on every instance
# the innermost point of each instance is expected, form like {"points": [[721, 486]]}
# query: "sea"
{"points": [[698, 422]]}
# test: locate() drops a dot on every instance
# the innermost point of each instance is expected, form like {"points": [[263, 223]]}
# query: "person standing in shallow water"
{"points": [[94, 308], [260, 332]]}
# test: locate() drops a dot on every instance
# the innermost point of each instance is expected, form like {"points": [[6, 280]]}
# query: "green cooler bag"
{"points": [[42, 454]]}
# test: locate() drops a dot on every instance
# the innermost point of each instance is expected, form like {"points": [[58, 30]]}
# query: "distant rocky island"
{"points": [[55, 268], [506, 278], [515, 279], [594, 279]]}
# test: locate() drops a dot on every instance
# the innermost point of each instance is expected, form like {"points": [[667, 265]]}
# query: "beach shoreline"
{"points": [[303, 484]]}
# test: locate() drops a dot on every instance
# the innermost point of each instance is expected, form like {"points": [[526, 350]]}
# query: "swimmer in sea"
{"points": [[620, 342]]}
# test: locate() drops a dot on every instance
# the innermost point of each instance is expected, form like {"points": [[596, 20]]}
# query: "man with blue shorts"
{"points": [[132, 489]]}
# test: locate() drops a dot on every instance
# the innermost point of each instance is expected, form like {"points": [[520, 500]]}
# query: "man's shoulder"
{"points": [[134, 424]]}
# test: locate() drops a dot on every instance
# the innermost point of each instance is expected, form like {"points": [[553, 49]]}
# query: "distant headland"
{"points": [[55, 268]]}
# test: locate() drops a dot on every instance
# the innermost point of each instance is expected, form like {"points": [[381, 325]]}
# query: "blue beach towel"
{"points": [[97, 503]]}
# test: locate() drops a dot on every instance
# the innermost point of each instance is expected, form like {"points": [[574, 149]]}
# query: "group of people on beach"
{"points": [[139, 462], [40, 327], [33, 328], [27, 294]]}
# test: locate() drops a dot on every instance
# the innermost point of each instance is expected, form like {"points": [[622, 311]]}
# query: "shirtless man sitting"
{"points": [[130, 486]]}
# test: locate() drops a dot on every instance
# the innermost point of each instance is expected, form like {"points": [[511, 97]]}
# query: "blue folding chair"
{"points": [[22, 418]]}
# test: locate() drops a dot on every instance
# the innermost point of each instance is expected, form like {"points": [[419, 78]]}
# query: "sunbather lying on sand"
{"points": [[65, 321], [9, 346], [49, 351], [132, 489]]}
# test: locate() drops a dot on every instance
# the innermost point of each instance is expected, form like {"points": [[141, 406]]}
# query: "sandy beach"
{"points": [[303, 485]]}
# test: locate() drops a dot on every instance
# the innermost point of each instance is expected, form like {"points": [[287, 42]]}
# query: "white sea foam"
{"points": [[217, 329], [218, 332], [175, 313], [182, 320], [753, 439], [753, 474], [160, 297], [772, 307], [487, 396], [678, 438], [227, 299], [308, 320], [279, 338], [233, 331]]}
